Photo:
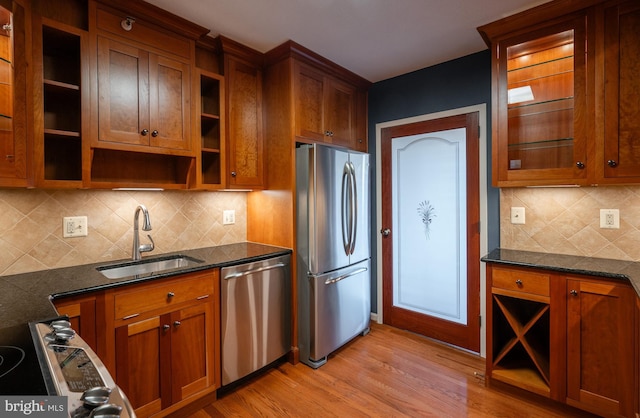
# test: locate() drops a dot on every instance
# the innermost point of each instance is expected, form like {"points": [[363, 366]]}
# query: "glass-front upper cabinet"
{"points": [[541, 125]]}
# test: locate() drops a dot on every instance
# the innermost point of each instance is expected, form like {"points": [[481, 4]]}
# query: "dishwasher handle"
{"points": [[258, 270]]}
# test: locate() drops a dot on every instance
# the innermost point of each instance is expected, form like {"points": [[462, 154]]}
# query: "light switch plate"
{"points": [[517, 216], [74, 226]]}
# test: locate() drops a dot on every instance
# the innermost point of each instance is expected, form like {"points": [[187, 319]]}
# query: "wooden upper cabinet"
{"points": [[144, 96], [245, 132], [325, 107], [541, 125], [620, 162], [143, 130], [581, 120], [13, 96]]}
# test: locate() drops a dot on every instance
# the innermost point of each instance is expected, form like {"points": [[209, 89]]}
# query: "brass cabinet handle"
{"points": [[612, 163], [519, 283], [580, 164], [144, 132], [166, 327], [176, 323], [170, 295], [154, 133], [574, 292]]}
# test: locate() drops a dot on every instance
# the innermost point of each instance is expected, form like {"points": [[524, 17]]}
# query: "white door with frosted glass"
{"points": [[430, 223]]}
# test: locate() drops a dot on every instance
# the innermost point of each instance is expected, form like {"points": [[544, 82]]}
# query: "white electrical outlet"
{"points": [[228, 217], [517, 216], [74, 226], [610, 218]]}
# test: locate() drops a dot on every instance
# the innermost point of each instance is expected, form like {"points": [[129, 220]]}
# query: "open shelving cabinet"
{"points": [[521, 343], [62, 92], [211, 124]]}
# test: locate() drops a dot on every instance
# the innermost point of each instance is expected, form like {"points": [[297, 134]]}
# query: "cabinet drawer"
{"points": [[521, 281], [170, 292]]}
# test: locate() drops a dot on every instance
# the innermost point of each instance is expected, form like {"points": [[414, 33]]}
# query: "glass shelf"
{"points": [[547, 143]]}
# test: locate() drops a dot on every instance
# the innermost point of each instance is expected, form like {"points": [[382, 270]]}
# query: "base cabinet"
{"points": [[82, 313], [600, 347], [571, 339], [166, 335]]}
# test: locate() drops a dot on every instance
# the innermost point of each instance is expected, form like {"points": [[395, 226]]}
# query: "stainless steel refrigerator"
{"points": [[333, 249]]}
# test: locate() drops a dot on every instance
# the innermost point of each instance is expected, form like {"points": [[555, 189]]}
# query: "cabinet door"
{"points": [[541, 121], [244, 129], [169, 101], [622, 89], [13, 99], [141, 350], [192, 351], [123, 93], [340, 113], [309, 103], [600, 347], [82, 315]]}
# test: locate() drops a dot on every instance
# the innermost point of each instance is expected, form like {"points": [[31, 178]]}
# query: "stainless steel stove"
{"points": [[74, 370]]}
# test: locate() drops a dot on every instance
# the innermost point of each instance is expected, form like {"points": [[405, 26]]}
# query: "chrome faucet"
{"points": [[146, 226]]}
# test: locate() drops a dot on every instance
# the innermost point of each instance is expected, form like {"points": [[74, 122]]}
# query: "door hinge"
{"points": [[479, 320]]}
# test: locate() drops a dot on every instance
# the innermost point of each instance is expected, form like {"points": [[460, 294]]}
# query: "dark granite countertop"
{"points": [[601, 267], [26, 297]]}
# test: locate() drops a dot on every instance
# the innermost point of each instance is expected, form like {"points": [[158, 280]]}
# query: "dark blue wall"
{"points": [[458, 83]]}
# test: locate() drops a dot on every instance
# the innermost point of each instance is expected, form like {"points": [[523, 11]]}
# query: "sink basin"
{"points": [[148, 267]]}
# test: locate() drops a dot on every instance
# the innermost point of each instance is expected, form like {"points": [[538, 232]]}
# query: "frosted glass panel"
{"points": [[429, 224]]}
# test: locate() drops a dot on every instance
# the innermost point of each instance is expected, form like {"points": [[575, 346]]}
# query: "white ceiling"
{"points": [[376, 39]]}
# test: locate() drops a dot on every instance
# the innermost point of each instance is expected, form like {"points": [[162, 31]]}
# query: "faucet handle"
{"points": [[145, 248]]}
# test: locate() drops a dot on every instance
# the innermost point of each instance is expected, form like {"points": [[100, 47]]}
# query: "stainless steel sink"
{"points": [[148, 267]]}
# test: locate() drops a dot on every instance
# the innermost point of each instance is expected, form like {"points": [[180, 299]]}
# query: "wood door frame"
{"points": [[482, 119]]}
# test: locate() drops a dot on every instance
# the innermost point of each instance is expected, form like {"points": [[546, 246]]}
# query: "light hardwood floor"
{"points": [[387, 373]]}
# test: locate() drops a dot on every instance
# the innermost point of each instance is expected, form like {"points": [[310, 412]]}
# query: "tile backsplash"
{"points": [[567, 221], [31, 225]]}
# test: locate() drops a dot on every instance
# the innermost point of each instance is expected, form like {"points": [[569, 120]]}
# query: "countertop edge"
{"points": [[628, 271], [29, 297]]}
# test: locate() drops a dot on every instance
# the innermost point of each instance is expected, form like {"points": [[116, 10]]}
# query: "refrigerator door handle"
{"points": [[345, 276], [354, 209], [345, 206]]}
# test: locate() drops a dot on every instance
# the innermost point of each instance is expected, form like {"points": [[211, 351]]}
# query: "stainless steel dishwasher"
{"points": [[256, 316]]}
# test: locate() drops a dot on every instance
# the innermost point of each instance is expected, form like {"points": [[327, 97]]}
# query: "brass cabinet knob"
{"points": [[580, 164], [574, 292], [519, 283], [154, 133], [612, 163], [144, 132]]}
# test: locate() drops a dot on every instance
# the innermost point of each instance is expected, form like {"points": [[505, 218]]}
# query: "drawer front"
{"points": [[521, 281], [153, 296]]}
